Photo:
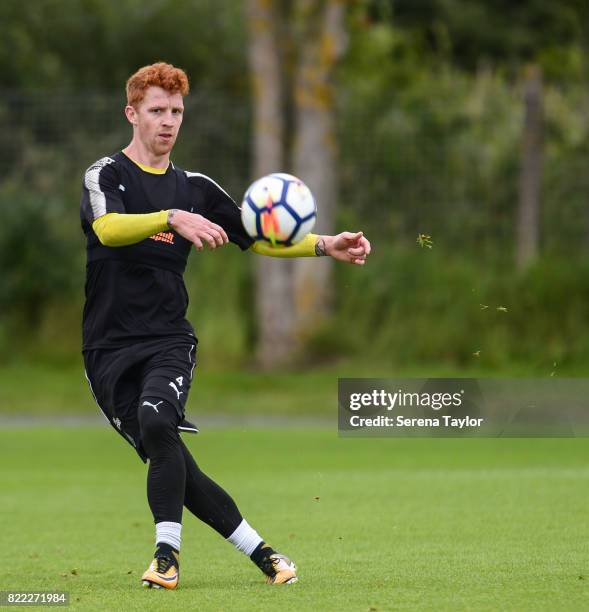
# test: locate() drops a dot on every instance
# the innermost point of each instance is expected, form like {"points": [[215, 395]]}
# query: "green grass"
{"points": [[378, 524], [46, 389]]}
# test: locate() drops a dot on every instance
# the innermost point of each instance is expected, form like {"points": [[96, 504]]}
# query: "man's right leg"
{"points": [[214, 506], [166, 482]]}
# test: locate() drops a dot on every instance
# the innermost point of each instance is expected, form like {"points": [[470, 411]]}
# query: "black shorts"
{"points": [[119, 378]]}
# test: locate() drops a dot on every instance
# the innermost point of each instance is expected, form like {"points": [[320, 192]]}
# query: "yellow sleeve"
{"points": [[115, 229], [304, 248]]}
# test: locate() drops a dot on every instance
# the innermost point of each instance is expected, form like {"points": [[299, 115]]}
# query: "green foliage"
{"points": [[503, 32], [429, 120], [58, 44], [38, 259], [438, 307], [435, 150], [221, 295]]}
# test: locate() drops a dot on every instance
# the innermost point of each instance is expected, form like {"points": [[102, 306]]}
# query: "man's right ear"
{"points": [[131, 114]]}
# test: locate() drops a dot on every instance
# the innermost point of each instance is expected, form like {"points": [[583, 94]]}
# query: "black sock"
{"points": [[163, 549], [261, 552]]}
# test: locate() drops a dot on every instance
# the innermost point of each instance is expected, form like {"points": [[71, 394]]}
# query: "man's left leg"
{"points": [[214, 506]]}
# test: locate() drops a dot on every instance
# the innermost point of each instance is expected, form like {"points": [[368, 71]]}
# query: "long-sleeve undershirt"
{"points": [[119, 229]]}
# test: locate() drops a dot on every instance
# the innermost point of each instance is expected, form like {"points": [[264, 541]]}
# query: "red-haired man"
{"points": [[141, 216]]}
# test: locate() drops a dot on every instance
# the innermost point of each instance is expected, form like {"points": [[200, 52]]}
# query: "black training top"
{"points": [[136, 292]]}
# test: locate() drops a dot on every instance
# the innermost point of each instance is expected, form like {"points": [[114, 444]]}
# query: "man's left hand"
{"points": [[350, 247]]}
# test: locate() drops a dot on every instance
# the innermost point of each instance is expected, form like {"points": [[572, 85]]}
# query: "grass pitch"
{"points": [[378, 524]]}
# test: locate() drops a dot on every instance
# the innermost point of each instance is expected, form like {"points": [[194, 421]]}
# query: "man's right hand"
{"points": [[197, 229]]}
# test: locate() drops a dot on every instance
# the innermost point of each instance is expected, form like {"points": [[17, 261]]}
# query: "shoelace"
{"points": [[268, 566], [164, 564]]}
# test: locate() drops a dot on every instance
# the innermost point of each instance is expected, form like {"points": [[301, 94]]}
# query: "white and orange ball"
{"points": [[278, 208]]}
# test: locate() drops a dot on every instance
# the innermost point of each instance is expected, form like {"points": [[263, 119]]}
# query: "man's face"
{"points": [[157, 119]]}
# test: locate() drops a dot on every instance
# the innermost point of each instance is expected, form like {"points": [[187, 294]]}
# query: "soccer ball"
{"points": [[278, 208]]}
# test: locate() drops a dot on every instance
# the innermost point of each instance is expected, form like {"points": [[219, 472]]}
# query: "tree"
{"points": [[293, 122], [274, 304], [531, 171], [314, 154]]}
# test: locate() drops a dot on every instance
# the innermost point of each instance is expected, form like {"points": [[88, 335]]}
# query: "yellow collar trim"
{"points": [[149, 169]]}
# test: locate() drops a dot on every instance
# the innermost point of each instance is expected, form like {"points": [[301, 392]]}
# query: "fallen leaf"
{"points": [[424, 240]]}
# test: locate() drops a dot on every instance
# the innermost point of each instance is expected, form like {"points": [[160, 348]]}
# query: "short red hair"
{"points": [[166, 76]]}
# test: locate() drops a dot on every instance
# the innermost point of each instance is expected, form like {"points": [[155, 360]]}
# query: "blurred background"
{"points": [[466, 122]]}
